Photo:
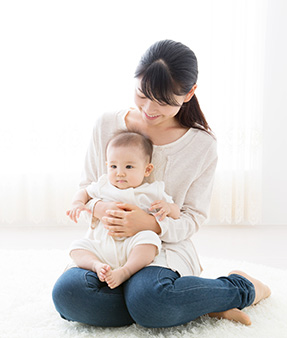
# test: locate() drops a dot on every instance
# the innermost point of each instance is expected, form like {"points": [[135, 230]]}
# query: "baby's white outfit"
{"points": [[115, 251]]}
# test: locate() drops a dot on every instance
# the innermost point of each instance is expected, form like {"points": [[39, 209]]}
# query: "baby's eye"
{"points": [[113, 166], [129, 166]]}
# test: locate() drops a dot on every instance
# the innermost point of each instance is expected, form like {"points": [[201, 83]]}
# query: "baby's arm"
{"points": [[165, 209], [78, 205]]}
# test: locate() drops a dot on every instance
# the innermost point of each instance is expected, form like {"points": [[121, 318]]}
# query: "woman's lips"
{"points": [[151, 117]]}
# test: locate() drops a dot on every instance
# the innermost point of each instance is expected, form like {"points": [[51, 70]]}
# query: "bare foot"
{"points": [[116, 277], [232, 314], [102, 270], [262, 291]]}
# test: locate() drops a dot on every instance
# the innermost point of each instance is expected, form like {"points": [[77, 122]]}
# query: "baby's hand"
{"points": [[76, 210], [162, 207]]}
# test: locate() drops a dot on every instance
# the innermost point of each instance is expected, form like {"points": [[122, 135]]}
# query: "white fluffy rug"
{"points": [[26, 308]]}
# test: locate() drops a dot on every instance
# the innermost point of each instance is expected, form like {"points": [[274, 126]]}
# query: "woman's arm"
{"points": [[194, 210], [129, 220], [100, 208], [95, 165]]}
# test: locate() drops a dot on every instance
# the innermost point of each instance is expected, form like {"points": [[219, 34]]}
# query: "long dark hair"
{"points": [[169, 68]]}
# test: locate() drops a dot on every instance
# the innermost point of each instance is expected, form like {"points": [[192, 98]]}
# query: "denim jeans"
{"points": [[153, 297]]}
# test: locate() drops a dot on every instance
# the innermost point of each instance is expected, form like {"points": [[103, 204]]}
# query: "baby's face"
{"points": [[127, 166]]}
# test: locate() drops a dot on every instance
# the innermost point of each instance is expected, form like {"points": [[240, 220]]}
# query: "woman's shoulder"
{"points": [[197, 146], [110, 118], [202, 140], [205, 136], [193, 141]]}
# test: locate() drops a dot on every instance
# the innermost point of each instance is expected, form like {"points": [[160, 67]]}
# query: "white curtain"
{"points": [[64, 62], [236, 96]]}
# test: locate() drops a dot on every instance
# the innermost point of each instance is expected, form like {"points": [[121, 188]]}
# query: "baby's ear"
{"points": [[148, 169]]}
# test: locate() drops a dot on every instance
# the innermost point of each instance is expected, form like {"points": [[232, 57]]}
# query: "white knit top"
{"points": [[187, 168]]}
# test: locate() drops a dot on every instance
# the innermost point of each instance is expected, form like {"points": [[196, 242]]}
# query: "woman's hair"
{"points": [[169, 68], [126, 138]]}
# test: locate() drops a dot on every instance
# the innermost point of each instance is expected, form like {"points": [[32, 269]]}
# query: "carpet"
{"points": [[26, 308]]}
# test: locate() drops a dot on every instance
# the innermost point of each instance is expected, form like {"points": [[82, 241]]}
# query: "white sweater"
{"points": [[186, 166]]}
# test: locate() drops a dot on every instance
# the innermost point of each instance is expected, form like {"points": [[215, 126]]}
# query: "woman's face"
{"points": [[153, 112]]}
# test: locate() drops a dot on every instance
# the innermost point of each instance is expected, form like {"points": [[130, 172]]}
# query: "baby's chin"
{"points": [[122, 184]]}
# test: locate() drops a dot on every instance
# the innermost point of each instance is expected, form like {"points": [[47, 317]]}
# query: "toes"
{"points": [[106, 267], [111, 280], [112, 285], [101, 277], [103, 272]]}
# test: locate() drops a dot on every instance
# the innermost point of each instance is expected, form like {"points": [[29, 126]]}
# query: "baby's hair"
{"points": [[132, 138]]}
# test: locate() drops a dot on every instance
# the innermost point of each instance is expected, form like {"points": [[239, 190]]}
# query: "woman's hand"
{"points": [[128, 221], [101, 207]]}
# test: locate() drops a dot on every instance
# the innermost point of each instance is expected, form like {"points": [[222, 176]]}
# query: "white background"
{"points": [[63, 62], [275, 117]]}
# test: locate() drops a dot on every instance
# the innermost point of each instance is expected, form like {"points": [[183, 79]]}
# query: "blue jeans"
{"points": [[153, 297]]}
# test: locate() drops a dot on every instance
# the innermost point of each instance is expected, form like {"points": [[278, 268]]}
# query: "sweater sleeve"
{"points": [[95, 160], [195, 207], [94, 165]]}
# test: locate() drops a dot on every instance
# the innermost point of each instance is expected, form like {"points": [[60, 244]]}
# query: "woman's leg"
{"points": [[158, 297], [80, 296]]}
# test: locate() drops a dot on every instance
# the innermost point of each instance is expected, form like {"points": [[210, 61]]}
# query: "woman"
{"points": [[169, 291]]}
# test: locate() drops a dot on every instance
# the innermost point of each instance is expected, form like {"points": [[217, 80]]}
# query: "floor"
{"points": [[256, 244]]}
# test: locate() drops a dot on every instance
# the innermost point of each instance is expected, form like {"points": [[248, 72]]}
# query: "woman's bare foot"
{"points": [[116, 277], [102, 270], [262, 291], [232, 314]]}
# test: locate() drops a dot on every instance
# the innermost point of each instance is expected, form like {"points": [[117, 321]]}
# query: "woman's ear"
{"points": [[148, 169], [190, 94]]}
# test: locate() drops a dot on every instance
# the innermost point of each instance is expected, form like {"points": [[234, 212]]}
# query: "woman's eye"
{"points": [[141, 96]]}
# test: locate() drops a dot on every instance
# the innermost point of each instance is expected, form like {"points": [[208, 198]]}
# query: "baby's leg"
{"points": [[87, 260], [140, 256]]}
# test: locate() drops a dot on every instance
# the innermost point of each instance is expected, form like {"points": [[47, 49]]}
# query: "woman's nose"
{"points": [[149, 107]]}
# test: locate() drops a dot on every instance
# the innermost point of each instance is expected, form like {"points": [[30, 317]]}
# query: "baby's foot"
{"points": [[102, 270], [262, 291], [233, 314], [116, 277]]}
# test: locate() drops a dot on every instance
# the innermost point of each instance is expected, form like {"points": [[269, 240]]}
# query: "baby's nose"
{"points": [[120, 173]]}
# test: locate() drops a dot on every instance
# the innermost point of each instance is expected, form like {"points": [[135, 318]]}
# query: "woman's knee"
{"points": [[79, 296], [146, 297], [64, 291]]}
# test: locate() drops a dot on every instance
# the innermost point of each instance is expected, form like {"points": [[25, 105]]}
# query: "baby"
{"points": [[117, 259]]}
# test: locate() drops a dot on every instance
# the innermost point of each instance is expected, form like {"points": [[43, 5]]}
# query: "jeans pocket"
{"points": [[92, 280]]}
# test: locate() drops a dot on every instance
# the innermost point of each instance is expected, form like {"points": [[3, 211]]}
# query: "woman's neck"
{"points": [[159, 134]]}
